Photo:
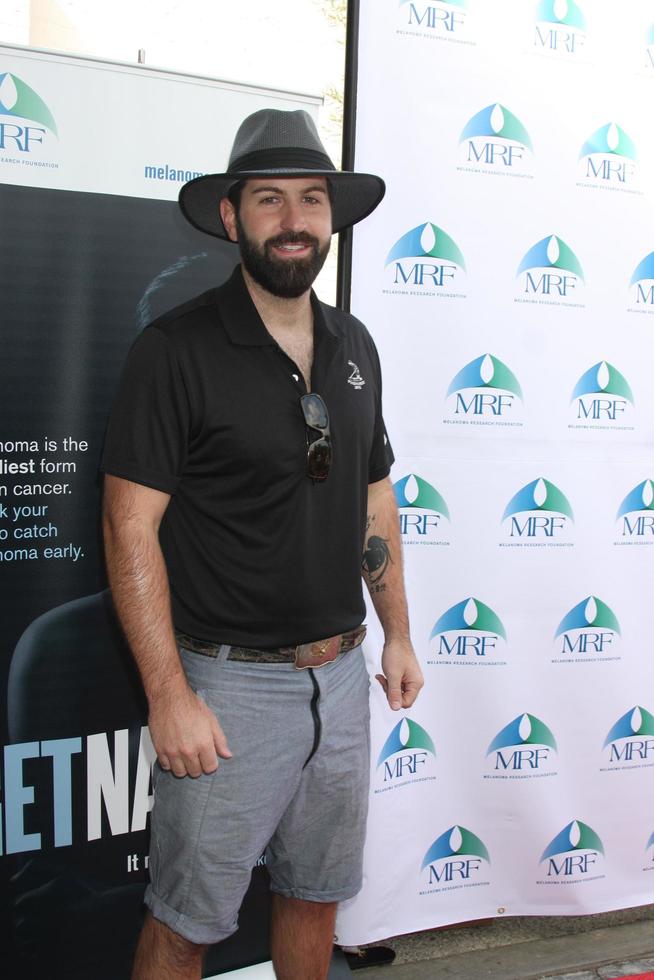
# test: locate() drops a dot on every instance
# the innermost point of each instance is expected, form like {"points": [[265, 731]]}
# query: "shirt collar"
{"points": [[242, 322]]}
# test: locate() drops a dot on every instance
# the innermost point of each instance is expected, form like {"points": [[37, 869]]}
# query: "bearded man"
{"points": [[246, 493]]}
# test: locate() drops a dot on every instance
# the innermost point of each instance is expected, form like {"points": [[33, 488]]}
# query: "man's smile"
{"points": [[295, 247], [292, 249]]}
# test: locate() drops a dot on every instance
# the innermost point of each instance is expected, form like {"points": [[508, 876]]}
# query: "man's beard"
{"points": [[287, 278]]}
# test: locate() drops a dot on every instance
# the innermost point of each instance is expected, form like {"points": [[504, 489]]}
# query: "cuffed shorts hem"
{"points": [[183, 925], [305, 895]]}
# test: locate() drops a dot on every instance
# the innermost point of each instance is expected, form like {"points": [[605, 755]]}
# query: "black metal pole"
{"points": [[344, 268]]}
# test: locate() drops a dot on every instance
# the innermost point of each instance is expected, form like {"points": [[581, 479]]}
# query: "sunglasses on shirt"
{"points": [[319, 451]]}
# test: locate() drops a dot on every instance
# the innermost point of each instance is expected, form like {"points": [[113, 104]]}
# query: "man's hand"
{"points": [[402, 677], [185, 733]]}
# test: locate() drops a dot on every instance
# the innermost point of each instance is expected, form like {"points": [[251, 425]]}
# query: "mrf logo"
{"points": [[495, 140], [424, 260], [631, 740], [484, 389], [539, 511], [636, 514], [523, 746], [550, 272], [470, 630], [446, 20], [560, 28], [406, 753], [608, 157], [25, 119], [573, 854], [421, 510], [603, 396], [456, 857], [588, 630], [641, 286]]}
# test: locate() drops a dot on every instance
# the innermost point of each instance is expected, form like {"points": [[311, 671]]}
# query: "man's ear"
{"points": [[228, 215]]}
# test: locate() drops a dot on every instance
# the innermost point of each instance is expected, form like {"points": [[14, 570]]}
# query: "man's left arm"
{"points": [[383, 574]]}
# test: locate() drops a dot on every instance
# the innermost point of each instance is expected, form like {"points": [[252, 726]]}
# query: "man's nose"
{"points": [[293, 217]]}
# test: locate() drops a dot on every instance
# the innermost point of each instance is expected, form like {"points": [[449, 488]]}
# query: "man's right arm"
{"points": [[185, 733]]}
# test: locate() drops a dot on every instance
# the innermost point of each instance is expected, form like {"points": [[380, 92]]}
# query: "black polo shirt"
{"points": [[208, 411]]}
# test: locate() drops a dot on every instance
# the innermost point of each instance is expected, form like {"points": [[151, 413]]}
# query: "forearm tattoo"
{"points": [[376, 559]]}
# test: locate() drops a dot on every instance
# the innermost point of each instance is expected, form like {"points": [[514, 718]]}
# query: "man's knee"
{"points": [[183, 949], [303, 907], [161, 948]]}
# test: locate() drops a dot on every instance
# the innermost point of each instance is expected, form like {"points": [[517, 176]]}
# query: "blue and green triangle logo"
{"points": [[551, 253], [407, 734], [639, 499], [565, 12], [644, 270], [427, 241], [524, 730], [496, 121], [609, 139], [486, 371], [539, 495], [577, 836], [412, 491], [591, 611], [603, 379], [456, 840], [636, 721], [470, 614], [18, 99]]}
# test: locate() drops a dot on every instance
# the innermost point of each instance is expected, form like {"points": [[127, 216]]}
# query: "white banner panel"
{"points": [[508, 281]]}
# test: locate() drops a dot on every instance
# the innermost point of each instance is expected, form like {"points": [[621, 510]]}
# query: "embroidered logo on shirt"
{"points": [[355, 378]]}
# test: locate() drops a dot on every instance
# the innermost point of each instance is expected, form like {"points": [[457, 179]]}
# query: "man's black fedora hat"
{"points": [[286, 144]]}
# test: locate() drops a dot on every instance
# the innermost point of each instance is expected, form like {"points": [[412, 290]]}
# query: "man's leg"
{"points": [[316, 851], [302, 938], [163, 955], [208, 833]]}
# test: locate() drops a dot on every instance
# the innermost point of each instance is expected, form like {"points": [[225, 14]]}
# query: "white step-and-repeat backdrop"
{"points": [[508, 279]]}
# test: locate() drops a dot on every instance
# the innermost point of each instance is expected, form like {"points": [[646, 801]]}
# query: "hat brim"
{"points": [[354, 196]]}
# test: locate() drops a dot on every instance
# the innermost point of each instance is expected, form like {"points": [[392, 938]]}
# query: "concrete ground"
{"points": [[593, 947], [590, 947]]}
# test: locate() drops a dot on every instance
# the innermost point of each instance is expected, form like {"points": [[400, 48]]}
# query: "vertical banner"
{"points": [[508, 279], [92, 247]]}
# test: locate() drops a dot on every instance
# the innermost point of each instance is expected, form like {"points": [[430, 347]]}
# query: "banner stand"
{"points": [[92, 248]]}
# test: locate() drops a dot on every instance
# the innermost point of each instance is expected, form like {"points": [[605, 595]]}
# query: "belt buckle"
{"points": [[318, 653]]}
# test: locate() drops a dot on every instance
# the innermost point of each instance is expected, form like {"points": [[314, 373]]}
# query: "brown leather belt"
{"points": [[303, 655]]}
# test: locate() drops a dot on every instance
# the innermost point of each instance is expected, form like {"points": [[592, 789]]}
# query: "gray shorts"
{"points": [[308, 816]]}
